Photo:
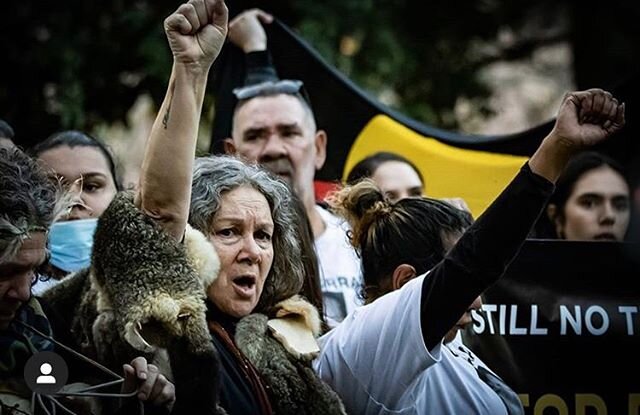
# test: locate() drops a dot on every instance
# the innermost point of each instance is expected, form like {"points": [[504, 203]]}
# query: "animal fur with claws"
{"points": [[144, 295]]}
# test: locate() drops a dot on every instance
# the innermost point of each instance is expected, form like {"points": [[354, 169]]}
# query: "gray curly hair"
{"points": [[215, 175], [27, 200]]}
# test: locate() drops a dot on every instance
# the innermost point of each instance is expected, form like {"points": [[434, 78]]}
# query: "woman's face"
{"points": [[397, 180], [241, 233], [86, 170], [597, 209]]}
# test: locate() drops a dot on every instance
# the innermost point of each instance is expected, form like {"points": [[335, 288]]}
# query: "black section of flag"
{"points": [[343, 109]]}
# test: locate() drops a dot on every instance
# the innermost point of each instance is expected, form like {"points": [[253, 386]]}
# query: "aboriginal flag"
{"points": [[473, 167]]}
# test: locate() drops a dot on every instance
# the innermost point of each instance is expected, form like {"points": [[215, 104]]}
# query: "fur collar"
{"points": [[202, 256], [296, 326]]}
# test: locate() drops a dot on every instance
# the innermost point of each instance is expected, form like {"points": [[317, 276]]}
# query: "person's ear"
{"points": [[321, 148], [401, 275], [552, 211], [229, 147], [555, 219]]}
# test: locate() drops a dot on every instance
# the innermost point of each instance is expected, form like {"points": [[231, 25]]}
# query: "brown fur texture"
{"points": [[293, 386], [147, 282], [141, 294]]}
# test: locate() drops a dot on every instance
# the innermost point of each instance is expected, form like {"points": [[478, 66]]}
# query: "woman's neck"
{"points": [[226, 321]]}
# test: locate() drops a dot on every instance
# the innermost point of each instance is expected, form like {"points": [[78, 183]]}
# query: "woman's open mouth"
{"points": [[245, 285]]}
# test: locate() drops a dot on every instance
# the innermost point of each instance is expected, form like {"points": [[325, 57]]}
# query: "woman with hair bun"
{"points": [[423, 274]]}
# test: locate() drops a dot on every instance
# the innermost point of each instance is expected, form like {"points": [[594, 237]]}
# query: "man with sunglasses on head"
{"points": [[274, 125]]}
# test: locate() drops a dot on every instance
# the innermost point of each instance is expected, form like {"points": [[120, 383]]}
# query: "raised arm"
{"points": [[246, 31], [196, 32], [482, 254]]}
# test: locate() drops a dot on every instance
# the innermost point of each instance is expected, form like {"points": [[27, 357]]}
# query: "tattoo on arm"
{"points": [[165, 119]]}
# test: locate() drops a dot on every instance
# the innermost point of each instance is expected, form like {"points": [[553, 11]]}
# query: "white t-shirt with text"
{"points": [[340, 269]]}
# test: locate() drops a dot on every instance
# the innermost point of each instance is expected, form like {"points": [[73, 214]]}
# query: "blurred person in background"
{"points": [[274, 126], [592, 201], [85, 166], [396, 176]]}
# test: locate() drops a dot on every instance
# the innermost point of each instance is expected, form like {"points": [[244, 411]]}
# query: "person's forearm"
{"points": [[551, 157], [259, 67], [165, 180]]}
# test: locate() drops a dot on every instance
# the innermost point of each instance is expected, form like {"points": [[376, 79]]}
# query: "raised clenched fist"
{"points": [[196, 32], [587, 117]]}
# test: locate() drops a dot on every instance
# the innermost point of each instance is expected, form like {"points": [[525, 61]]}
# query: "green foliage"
{"points": [[418, 51], [75, 64]]}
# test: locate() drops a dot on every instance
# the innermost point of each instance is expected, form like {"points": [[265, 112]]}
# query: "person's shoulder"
{"points": [[331, 219], [326, 214]]}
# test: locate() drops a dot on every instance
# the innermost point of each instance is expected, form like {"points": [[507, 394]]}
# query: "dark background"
{"points": [[76, 64]]}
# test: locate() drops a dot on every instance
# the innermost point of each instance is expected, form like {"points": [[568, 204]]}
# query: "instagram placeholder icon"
{"points": [[45, 373]]}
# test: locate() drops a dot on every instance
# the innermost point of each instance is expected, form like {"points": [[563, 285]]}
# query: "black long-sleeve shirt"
{"points": [[482, 254]]}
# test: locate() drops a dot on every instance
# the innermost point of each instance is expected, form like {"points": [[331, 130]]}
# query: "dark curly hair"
{"points": [[27, 200]]}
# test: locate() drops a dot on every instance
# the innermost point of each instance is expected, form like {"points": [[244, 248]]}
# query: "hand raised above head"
{"points": [[585, 118], [196, 32], [246, 31], [588, 117]]}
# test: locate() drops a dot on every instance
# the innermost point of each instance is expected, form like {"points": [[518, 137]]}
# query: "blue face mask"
{"points": [[70, 243]]}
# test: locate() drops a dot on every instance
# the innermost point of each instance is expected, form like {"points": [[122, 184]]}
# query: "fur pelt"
{"points": [[299, 307], [293, 386], [142, 294], [143, 278]]}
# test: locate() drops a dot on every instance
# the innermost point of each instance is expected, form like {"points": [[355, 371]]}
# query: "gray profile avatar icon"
{"points": [[46, 373], [45, 378]]}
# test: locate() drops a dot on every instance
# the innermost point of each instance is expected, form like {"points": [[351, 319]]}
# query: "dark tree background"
{"points": [[75, 64]]}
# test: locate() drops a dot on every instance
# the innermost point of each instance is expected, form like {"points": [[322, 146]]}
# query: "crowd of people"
{"points": [[219, 285]]}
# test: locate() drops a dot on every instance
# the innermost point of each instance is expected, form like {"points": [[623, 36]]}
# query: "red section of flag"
{"points": [[322, 188]]}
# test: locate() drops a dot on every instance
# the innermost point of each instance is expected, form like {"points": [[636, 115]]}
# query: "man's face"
{"points": [[278, 133], [16, 276]]}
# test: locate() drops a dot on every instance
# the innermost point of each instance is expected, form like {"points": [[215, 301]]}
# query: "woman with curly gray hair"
{"points": [[204, 262], [220, 181], [262, 332]]}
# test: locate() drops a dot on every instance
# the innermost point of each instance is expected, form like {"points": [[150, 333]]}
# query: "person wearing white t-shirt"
{"points": [[339, 265], [274, 125], [402, 352]]}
